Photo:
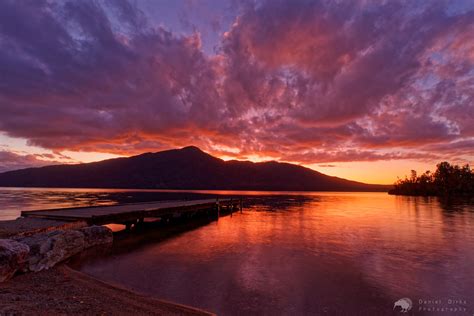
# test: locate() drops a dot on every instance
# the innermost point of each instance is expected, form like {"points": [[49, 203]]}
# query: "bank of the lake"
{"points": [[64, 291]]}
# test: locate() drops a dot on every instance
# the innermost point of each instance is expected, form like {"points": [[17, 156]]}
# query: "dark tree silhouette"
{"points": [[448, 180]]}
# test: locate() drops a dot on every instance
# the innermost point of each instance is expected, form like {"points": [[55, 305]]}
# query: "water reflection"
{"points": [[349, 253]]}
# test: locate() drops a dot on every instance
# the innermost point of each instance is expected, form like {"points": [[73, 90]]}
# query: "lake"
{"points": [[289, 253]]}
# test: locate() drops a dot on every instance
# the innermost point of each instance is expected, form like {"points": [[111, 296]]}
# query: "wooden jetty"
{"points": [[135, 213]]}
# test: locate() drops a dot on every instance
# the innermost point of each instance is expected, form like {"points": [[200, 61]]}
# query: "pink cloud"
{"points": [[10, 160], [312, 81]]}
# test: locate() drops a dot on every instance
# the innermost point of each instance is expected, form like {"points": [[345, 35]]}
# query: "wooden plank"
{"points": [[109, 209], [126, 212]]}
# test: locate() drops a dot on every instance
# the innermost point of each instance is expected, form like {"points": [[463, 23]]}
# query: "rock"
{"points": [[13, 256], [96, 235], [48, 249]]}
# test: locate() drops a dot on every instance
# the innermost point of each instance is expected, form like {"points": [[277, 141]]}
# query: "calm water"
{"points": [[319, 253]]}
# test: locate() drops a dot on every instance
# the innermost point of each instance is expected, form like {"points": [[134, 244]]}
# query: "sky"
{"points": [[365, 90]]}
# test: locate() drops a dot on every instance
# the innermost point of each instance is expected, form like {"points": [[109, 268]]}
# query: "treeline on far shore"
{"points": [[447, 181]]}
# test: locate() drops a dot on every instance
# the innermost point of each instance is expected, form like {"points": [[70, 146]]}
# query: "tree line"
{"points": [[447, 181]]}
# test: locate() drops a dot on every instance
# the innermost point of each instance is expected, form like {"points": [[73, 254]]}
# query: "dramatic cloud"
{"points": [[72, 80], [303, 81], [382, 75]]}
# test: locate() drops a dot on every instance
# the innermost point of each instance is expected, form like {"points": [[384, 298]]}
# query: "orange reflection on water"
{"points": [[288, 253]]}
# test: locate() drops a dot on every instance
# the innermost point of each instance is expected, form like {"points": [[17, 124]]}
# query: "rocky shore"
{"points": [[42, 251], [35, 281]]}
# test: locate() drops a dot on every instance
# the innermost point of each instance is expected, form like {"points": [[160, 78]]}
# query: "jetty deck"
{"points": [[132, 213]]}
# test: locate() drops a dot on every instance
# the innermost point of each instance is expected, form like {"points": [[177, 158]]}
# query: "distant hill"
{"points": [[186, 168]]}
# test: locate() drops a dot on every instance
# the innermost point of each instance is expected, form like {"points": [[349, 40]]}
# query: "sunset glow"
{"points": [[361, 90]]}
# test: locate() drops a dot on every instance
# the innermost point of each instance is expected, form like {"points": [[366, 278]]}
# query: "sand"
{"points": [[64, 291]]}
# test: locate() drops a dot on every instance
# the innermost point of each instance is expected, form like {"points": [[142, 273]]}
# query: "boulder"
{"points": [[13, 257], [48, 249], [96, 235]]}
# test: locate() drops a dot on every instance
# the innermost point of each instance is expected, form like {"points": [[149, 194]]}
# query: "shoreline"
{"points": [[37, 246], [62, 290]]}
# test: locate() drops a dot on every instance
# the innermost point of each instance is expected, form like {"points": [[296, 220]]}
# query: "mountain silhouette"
{"points": [[186, 168]]}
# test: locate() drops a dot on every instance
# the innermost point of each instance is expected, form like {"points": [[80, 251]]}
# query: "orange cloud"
{"points": [[309, 82]]}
